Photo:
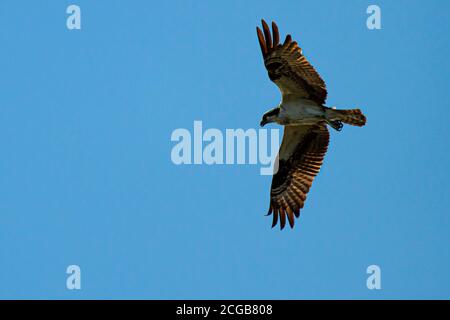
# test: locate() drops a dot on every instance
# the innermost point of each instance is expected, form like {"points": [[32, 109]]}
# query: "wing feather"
{"points": [[288, 67], [276, 34], [267, 35], [300, 158], [262, 41]]}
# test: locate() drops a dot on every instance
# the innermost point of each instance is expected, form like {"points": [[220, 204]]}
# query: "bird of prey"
{"points": [[305, 117]]}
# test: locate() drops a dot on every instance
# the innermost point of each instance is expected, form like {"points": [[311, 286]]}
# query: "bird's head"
{"points": [[270, 116]]}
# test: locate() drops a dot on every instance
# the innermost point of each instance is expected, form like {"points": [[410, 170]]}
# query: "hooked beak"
{"points": [[263, 123]]}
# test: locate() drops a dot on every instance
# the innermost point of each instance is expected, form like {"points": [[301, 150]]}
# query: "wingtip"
{"points": [[267, 35], [264, 25], [258, 31], [291, 223], [275, 218], [262, 41], [288, 39], [276, 34], [290, 215], [282, 219]]}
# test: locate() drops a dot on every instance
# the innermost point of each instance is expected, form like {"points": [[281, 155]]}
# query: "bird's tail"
{"points": [[352, 116]]}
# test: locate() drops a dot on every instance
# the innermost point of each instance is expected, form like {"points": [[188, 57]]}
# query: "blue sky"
{"points": [[86, 176]]}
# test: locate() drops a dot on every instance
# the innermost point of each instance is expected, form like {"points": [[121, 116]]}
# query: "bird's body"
{"points": [[303, 113], [299, 111]]}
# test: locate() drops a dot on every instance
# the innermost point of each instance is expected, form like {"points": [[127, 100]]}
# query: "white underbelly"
{"points": [[301, 112]]}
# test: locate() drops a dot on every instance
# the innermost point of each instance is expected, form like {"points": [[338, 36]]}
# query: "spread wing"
{"points": [[288, 67], [300, 158]]}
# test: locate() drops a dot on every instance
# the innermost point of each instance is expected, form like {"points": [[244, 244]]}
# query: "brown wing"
{"points": [[300, 158], [288, 67]]}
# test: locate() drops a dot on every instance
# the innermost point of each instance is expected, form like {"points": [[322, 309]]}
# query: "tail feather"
{"points": [[353, 117]]}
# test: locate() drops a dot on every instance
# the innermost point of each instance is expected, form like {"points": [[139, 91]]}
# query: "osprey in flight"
{"points": [[304, 116]]}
